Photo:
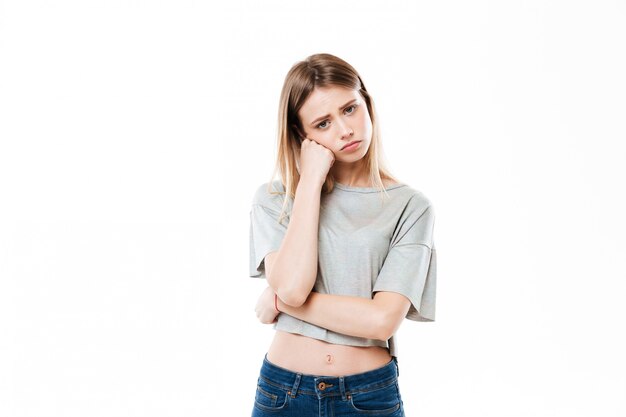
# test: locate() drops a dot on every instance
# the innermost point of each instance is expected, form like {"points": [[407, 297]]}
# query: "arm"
{"points": [[376, 318], [291, 271]]}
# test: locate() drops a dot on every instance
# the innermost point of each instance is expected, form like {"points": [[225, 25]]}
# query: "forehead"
{"points": [[326, 100]]}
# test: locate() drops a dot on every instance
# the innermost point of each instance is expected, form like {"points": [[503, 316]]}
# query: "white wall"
{"points": [[133, 134]]}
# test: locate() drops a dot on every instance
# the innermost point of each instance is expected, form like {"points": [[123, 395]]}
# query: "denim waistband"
{"points": [[324, 385]]}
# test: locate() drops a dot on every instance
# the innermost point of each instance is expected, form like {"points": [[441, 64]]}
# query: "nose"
{"points": [[345, 130]]}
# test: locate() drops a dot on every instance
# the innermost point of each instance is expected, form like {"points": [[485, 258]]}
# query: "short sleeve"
{"points": [[410, 267], [266, 235]]}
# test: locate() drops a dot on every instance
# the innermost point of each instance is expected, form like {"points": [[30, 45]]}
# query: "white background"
{"points": [[133, 135]]}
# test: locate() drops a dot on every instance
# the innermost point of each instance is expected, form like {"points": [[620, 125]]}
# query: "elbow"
{"points": [[383, 333], [292, 294], [292, 298], [385, 328]]}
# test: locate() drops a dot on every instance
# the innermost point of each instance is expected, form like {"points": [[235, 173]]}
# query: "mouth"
{"points": [[350, 143]]}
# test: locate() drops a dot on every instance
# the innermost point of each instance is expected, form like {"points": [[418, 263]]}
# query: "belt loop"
{"points": [[342, 388], [397, 366], [294, 388]]}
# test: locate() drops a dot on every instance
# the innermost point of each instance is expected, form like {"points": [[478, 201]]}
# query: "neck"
{"points": [[352, 174]]}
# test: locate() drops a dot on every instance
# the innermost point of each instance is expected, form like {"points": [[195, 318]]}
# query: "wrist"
{"points": [[310, 184]]}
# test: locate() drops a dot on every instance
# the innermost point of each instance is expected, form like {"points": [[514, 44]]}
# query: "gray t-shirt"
{"points": [[365, 245]]}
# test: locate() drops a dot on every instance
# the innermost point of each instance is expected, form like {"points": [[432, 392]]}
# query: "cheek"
{"points": [[366, 124], [364, 119], [324, 138]]}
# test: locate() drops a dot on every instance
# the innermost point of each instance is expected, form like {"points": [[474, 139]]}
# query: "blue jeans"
{"points": [[281, 392]]}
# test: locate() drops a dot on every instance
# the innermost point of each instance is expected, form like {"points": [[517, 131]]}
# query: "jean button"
{"points": [[321, 386]]}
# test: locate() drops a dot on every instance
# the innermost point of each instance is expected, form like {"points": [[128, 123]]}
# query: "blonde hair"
{"points": [[320, 70]]}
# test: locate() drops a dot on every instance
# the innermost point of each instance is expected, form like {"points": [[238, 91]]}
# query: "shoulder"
{"points": [[416, 201], [269, 194]]}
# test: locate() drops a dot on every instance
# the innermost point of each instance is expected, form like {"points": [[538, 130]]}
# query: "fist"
{"points": [[315, 160], [265, 310]]}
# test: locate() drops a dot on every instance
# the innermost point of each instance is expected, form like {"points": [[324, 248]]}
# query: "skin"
{"points": [[376, 318], [343, 125]]}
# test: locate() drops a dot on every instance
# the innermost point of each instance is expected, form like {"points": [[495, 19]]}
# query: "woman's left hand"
{"points": [[265, 310]]}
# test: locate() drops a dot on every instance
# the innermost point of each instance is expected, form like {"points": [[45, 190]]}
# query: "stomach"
{"points": [[306, 355]]}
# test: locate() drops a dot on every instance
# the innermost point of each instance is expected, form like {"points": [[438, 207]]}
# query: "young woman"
{"points": [[346, 249]]}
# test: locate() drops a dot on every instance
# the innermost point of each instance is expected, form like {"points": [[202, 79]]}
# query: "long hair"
{"points": [[320, 70]]}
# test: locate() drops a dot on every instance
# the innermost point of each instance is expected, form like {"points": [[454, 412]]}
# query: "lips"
{"points": [[350, 143]]}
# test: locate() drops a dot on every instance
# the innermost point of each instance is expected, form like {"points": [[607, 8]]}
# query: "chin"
{"points": [[353, 158]]}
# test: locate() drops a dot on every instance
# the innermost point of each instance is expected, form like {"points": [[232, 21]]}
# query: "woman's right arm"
{"points": [[292, 270]]}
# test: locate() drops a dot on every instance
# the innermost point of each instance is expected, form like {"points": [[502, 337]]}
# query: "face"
{"points": [[331, 114]]}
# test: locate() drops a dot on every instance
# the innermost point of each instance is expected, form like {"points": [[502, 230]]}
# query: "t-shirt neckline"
{"points": [[366, 189]]}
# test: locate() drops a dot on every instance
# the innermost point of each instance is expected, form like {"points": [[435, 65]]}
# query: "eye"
{"points": [[353, 107]]}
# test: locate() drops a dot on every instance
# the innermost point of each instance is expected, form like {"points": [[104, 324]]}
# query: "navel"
{"points": [[329, 358]]}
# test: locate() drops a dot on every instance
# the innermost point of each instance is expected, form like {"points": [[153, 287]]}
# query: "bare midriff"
{"points": [[306, 355]]}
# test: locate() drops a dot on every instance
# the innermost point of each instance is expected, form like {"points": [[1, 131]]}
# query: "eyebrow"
{"points": [[327, 115]]}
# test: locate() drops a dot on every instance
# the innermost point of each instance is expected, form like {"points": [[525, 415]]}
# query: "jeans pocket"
{"points": [[379, 401], [270, 396]]}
